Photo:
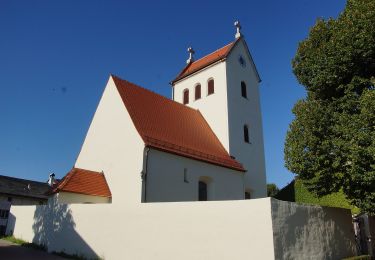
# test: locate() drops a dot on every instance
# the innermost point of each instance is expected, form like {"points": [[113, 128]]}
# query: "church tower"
{"points": [[224, 87]]}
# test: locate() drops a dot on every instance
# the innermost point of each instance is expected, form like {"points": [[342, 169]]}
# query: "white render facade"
{"points": [[227, 111], [136, 172], [113, 145]]}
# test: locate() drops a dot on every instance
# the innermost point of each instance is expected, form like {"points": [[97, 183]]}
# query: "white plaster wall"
{"points": [[113, 145], [188, 230], [241, 229], [213, 107], [70, 197], [311, 232], [246, 111], [165, 179]]}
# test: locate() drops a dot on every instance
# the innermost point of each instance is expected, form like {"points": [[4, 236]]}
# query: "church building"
{"points": [[206, 143]]}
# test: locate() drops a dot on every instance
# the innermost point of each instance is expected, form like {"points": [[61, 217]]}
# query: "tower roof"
{"points": [[172, 127], [207, 60]]}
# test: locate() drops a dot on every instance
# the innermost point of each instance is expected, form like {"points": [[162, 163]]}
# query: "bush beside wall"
{"points": [[296, 191]]}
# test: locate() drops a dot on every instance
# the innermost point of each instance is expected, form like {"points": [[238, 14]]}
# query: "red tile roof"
{"points": [[84, 182], [172, 127], [207, 60]]}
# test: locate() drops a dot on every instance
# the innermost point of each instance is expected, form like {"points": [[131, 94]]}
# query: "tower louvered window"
{"points": [[246, 133], [210, 87], [198, 91]]}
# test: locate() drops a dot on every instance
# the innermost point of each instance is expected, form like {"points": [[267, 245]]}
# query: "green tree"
{"points": [[272, 190], [330, 144]]}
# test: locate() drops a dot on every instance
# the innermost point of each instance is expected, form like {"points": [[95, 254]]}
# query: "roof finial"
{"points": [[191, 53], [238, 27]]}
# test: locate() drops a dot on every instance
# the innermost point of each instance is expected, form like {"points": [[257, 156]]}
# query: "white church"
{"points": [[197, 158], [204, 144]]}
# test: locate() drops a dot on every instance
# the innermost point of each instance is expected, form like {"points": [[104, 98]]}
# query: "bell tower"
{"points": [[224, 87]]}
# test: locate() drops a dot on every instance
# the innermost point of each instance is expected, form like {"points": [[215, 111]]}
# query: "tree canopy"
{"points": [[330, 144], [272, 189]]}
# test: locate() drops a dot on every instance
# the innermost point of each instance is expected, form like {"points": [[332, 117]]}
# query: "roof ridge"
{"points": [[157, 94], [195, 66], [20, 179], [214, 51]]}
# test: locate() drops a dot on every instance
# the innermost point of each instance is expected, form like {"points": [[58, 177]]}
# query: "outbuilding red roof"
{"points": [[84, 182], [172, 127], [207, 60]]}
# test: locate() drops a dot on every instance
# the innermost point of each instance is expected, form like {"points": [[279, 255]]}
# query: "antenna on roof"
{"points": [[191, 53], [238, 27]]}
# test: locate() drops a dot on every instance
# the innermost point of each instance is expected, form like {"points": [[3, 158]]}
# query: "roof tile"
{"points": [[84, 182], [205, 61], [170, 126]]}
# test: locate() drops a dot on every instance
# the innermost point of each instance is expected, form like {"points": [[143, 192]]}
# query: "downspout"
{"points": [[172, 90], [144, 173]]}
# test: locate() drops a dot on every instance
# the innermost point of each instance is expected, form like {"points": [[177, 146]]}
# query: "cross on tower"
{"points": [[238, 27], [191, 53]]}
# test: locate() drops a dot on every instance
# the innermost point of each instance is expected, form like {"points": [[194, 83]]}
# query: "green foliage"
{"points": [[43, 248], [331, 142], [14, 240], [272, 189], [23, 243], [296, 191]]}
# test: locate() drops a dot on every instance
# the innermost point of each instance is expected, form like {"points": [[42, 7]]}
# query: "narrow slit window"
{"points": [[210, 87], [186, 97], [243, 89], [246, 133], [198, 91]]}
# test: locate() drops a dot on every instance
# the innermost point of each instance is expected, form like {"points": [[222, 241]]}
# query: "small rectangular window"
{"points": [[243, 89], [246, 134], [211, 87], [186, 97]]}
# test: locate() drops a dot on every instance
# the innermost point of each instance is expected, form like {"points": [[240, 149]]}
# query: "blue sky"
{"points": [[56, 56]]}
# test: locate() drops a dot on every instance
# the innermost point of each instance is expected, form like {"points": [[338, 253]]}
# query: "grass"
{"points": [[361, 257], [297, 192], [23, 243]]}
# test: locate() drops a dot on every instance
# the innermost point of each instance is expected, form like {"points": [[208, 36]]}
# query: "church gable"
{"points": [[240, 54]]}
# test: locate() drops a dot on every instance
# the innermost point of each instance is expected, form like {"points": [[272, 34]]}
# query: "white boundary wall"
{"points": [[243, 229], [189, 230]]}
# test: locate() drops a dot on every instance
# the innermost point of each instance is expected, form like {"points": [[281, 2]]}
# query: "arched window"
{"points": [[186, 97], [202, 189], [246, 133], [210, 87], [243, 89], [198, 91]]}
